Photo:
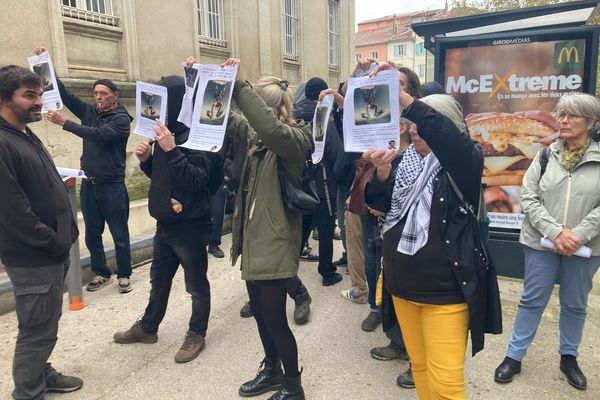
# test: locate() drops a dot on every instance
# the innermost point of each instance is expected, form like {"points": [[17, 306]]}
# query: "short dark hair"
{"points": [[12, 77], [413, 83]]}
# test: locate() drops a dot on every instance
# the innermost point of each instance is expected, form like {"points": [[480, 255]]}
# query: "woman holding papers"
{"points": [[561, 203], [436, 282], [264, 232]]}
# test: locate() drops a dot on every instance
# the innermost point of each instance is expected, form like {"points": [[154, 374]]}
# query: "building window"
{"points": [[358, 56], [99, 11], [422, 70], [374, 54], [211, 19], [291, 23], [399, 50], [333, 30], [420, 48]]}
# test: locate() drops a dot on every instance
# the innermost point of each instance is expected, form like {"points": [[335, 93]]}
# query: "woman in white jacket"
{"points": [[561, 204]]}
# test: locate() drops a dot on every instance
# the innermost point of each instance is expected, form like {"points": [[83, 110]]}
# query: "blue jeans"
{"points": [[372, 267], [172, 248], [217, 212], [542, 269], [106, 203]]}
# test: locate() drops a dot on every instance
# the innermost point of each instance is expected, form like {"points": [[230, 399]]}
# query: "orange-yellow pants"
{"points": [[436, 341]]}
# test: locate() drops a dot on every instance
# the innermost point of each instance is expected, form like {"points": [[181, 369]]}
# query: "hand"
{"points": [[383, 66], [143, 151], [382, 160], [55, 117], [190, 61], [566, 243], [231, 62], [338, 98], [226, 179], [39, 50], [375, 213], [164, 137]]}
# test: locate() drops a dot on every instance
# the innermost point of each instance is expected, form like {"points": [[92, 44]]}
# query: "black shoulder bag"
{"points": [[302, 200]]}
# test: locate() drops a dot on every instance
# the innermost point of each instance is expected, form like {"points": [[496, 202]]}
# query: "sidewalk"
{"points": [[333, 349]]}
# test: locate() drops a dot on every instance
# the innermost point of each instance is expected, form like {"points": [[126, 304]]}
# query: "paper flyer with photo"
{"points": [[319, 126], [372, 112], [187, 106], [150, 105], [42, 66], [211, 108]]}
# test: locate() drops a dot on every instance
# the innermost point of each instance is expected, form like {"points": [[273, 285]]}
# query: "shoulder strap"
{"points": [[544, 156], [466, 205]]}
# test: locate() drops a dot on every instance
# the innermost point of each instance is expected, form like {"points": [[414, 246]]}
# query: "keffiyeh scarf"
{"points": [[412, 194]]}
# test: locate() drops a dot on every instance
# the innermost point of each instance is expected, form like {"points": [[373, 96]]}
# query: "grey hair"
{"points": [[582, 104], [448, 106]]}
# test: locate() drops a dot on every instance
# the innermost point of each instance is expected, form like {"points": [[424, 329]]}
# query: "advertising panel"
{"points": [[508, 87]]}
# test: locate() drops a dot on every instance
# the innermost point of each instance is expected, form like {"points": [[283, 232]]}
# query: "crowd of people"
{"points": [[415, 253]]}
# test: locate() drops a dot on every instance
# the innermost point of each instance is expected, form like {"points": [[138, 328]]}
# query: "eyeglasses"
{"points": [[568, 116]]}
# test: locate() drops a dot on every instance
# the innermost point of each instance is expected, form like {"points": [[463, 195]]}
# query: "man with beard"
{"points": [[37, 228]]}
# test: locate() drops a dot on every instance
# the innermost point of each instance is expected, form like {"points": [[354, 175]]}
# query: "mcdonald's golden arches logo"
{"points": [[568, 54]]}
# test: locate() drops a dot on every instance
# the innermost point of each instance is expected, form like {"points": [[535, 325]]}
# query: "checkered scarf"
{"points": [[412, 194]]}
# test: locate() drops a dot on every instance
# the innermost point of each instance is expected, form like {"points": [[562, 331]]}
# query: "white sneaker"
{"points": [[349, 295], [125, 285]]}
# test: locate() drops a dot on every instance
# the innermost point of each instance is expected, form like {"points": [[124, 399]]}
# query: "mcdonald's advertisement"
{"points": [[508, 89]]}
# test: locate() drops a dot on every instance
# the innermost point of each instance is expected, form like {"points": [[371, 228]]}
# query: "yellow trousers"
{"points": [[436, 340]]}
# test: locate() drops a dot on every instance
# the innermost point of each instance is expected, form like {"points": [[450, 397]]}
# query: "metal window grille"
{"points": [[333, 30], [211, 17], [290, 29], [99, 11]]}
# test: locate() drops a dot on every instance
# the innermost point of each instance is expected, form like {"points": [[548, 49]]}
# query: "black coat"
{"points": [[463, 159]]}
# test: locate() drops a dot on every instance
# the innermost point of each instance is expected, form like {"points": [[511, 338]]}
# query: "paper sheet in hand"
{"points": [[187, 105], [42, 65], [68, 173], [211, 108], [583, 251], [319, 126], [150, 105], [372, 112]]}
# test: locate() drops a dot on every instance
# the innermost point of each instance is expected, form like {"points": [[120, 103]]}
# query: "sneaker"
{"points": [[302, 311], [315, 234], [332, 279], [389, 352], [350, 294], [216, 251], [125, 285], [406, 379], [191, 347], [246, 311], [307, 256], [371, 322], [342, 262], [98, 282], [135, 334], [63, 384]]}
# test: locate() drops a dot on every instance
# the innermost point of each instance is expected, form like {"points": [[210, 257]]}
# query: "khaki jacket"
{"points": [[562, 199], [264, 232]]}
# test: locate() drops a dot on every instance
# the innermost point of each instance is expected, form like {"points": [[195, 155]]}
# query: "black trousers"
{"points": [[171, 248], [324, 221]]}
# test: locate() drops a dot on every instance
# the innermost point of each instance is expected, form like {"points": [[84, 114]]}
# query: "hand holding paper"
{"points": [[582, 251]]}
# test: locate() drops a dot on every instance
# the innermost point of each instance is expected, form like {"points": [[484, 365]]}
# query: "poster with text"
{"points": [[319, 126], [508, 89], [372, 112], [42, 66], [150, 105], [211, 108], [187, 105]]}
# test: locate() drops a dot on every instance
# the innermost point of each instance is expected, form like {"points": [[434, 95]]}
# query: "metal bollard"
{"points": [[74, 273]]}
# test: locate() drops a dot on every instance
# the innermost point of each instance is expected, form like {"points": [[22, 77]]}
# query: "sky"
{"points": [[369, 9]]}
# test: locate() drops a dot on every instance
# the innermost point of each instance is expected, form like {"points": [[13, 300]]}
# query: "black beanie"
{"points": [[108, 83], [432, 87], [313, 87]]}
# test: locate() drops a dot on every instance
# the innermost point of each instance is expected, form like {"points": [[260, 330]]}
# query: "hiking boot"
{"points": [[307, 256], [371, 322], [270, 377], [98, 282], [193, 343], [125, 285], [63, 384], [389, 352], [246, 311], [135, 334], [302, 311], [350, 294], [332, 279], [406, 379], [216, 251], [291, 390]]}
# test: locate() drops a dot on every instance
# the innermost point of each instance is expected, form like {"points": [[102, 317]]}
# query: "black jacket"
{"points": [[305, 110], [37, 224], [104, 137], [463, 159]]}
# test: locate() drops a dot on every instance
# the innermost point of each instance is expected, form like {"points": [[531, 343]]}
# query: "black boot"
{"points": [[270, 377], [291, 390], [569, 367]]}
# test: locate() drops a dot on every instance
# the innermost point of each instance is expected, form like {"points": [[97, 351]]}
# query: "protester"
{"points": [[37, 228], [181, 184], [264, 232], [104, 128], [437, 298], [562, 205]]}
